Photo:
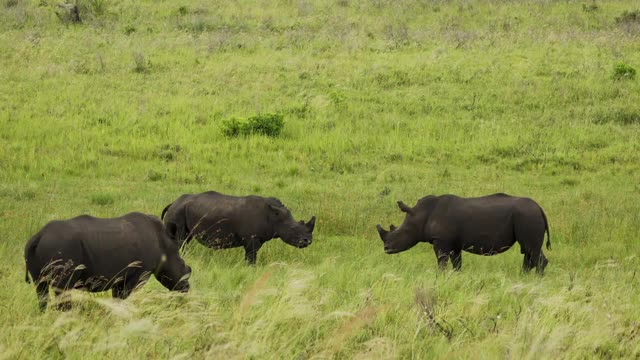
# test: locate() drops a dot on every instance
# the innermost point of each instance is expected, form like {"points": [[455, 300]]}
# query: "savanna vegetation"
{"points": [[339, 109]]}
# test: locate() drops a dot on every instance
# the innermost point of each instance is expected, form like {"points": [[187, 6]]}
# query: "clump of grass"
{"points": [[11, 3], [250, 296], [391, 79], [589, 8], [102, 199], [569, 181], [129, 29], [68, 13], [300, 111], [622, 116], [169, 152], [141, 65], [155, 175], [350, 327], [427, 305], [397, 35], [183, 10], [28, 194], [629, 17], [623, 71], [262, 124], [97, 7], [337, 98]]}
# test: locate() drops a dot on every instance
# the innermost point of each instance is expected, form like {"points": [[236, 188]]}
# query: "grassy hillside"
{"points": [[382, 101]]}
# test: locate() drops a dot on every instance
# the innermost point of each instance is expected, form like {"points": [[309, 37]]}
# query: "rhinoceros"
{"points": [[485, 225], [221, 221], [96, 254]]}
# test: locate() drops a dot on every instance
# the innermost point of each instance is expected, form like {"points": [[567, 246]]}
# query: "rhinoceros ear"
{"points": [[405, 208], [392, 227], [312, 223], [382, 232], [277, 209]]}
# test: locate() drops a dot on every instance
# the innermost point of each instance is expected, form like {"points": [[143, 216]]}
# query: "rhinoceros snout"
{"points": [[390, 250], [302, 243]]}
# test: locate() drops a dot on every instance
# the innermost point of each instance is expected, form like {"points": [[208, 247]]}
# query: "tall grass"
{"points": [[381, 101]]}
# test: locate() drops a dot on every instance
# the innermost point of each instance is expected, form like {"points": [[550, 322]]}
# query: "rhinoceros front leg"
{"points": [[443, 258], [444, 250], [251, 247], [120, 291], [456, 260]]}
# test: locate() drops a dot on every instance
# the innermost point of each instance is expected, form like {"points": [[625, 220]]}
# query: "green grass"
{"points": [[381, 101]]}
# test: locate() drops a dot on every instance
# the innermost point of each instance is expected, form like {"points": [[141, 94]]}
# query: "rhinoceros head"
{"points": [[403, 237], [295, 233], [172, 272]]}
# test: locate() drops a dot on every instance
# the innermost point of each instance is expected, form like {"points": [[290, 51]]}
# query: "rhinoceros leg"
{"points": [[535, 259], [526, 263], [443, 258], [529, 230], [456, 260], [541, 263], [63, 298], [42, 290], [444, 250], [251, 247], [120, 291]]}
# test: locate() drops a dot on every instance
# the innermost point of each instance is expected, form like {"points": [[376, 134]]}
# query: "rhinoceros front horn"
{"points": [[382, 232], [312, 223]]}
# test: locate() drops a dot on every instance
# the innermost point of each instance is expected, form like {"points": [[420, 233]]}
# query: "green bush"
{"points": [[261, 124], [623, 71]]}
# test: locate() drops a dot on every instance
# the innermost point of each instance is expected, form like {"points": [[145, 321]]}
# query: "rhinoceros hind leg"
{"points": [[63, 299], [120, 291], [526, 263], [541, 263]]}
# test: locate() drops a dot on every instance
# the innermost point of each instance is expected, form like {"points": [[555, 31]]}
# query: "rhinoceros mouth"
{"points": [[391, 251], [303, 244]]}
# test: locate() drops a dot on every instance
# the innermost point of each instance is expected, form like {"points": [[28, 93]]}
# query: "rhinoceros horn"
{"points": [[312, 223]]}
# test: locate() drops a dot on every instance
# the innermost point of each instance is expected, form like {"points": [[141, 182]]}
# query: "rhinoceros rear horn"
{"points": [[405, 208], [312, 223], [392, 227], [382, 232]]}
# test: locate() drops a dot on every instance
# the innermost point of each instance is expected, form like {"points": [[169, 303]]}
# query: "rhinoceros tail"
{"points": [[164, 211], [546, 228], [29, 253]]}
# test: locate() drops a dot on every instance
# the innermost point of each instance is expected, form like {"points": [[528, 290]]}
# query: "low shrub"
{"points": [[262, 124], [623, 71]]}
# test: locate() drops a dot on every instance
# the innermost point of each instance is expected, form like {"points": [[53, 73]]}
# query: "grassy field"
{"points": [[382, 101]]}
